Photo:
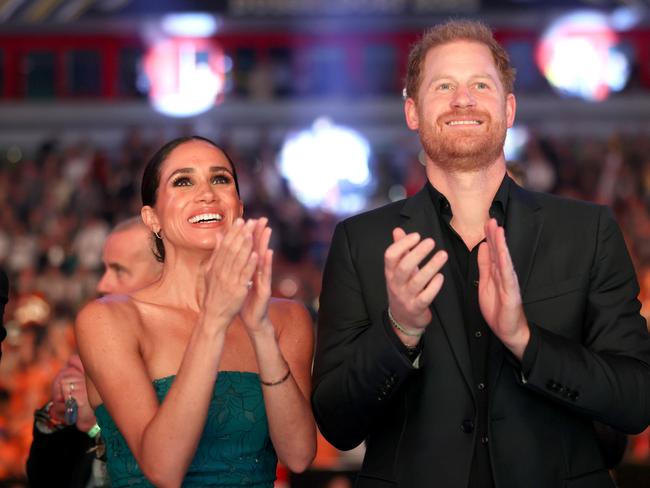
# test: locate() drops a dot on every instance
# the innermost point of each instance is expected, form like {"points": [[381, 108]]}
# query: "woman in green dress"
{"points": [[200, 379]]}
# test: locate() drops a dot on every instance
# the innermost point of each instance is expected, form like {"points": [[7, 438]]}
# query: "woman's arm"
{"points": [[284, 357], [162, 436], [291, 423]]}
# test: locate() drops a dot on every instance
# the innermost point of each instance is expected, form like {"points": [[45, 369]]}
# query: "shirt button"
{"points": [[477, 334], [481, 386], [467, 426], [484, 440]]}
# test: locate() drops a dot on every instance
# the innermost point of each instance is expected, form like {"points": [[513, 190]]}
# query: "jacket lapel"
{"points": [[523, 226], [419, 216]]}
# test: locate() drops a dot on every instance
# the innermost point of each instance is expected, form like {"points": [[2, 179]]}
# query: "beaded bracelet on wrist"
{"points": [[402, 329]]}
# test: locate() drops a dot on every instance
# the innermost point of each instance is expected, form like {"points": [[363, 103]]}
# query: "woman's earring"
{"points": [[157, 235]]}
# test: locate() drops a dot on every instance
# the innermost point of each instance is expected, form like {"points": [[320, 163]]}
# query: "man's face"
{"points": [[129, 262], [461, 110]]}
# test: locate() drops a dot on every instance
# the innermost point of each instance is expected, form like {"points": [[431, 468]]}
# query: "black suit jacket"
{"points": [[60, 459], [4, 296], [590, 361]]}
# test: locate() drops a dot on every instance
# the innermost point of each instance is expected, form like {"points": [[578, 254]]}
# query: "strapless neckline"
{"points": [[235, 449]]}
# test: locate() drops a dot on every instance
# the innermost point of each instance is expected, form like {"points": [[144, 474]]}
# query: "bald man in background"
{"points": [[129, 261], [64, 455]]}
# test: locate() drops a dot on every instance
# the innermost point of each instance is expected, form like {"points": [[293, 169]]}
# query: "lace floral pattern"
{"points": [[234, 450]]}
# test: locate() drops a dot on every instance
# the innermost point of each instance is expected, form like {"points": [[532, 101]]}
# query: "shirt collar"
{"points": [[498, 207]]}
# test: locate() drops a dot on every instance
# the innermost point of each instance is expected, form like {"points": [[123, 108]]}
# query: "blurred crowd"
{"points": [[59, 203]]}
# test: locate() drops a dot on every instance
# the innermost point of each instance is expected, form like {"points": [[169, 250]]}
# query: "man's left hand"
{"points": [[498, 291]]}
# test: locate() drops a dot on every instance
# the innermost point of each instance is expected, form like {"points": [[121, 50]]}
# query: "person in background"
{"points": [[4, 297], [200, 378], [471, 334], [65, 455]]}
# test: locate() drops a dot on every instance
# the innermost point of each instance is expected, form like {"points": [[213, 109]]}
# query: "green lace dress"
{"points": [[235, 448]]}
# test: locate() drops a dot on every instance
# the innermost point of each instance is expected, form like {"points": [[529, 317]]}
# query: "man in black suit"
{"points": [[4, 297], [471, 334]]}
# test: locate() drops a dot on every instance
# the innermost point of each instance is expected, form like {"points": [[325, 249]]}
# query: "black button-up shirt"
{"points": [[463, 263]]}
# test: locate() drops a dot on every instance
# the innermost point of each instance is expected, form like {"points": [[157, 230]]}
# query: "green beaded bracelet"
{"points": [[94, 431]]}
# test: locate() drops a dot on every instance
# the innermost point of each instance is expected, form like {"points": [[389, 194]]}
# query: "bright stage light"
{"points": [[327, 167], [579, 55], [516, 140], [189, 25], [186, 75]]}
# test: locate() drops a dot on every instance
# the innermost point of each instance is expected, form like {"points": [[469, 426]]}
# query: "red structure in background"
{"points": [[48, 65]]}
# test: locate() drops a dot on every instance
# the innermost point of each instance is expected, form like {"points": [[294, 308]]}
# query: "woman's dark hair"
{"points": [[151, 179]]}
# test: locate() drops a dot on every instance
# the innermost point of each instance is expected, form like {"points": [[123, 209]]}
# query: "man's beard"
{"points": [[464, 152]]}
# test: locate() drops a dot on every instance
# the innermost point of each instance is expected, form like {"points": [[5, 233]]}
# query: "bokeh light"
{"points": [[580, 56], [186, 75], [516, 140], [190, 24], [327, 167]]}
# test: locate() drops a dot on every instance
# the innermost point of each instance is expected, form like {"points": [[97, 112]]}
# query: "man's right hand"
{"points": [[411, 289]]}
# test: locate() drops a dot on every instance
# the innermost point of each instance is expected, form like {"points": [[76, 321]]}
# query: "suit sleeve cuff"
{"points": [[530, 353]]}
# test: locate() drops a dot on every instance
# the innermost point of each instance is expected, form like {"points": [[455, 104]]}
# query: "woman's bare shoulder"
{"points": [[109, 305], [289, 308], [108, 314], [289, 313]]}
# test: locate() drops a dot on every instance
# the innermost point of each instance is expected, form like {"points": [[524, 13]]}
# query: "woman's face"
{"points": [[197, 197]]}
